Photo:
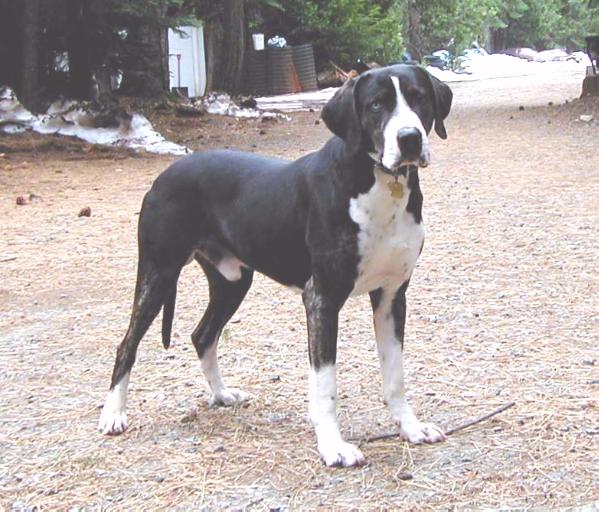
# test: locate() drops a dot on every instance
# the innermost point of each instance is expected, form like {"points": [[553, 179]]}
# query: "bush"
{"points": [[545, 24], [454, 24], [380, 30], [340, 30]]}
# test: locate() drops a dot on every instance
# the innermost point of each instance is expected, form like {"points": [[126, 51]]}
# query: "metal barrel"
{"points": [[255, 73], [281, 75], [303, 59]]}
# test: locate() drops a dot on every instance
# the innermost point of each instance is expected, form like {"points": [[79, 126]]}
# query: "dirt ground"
{"points": [[503, 306]]}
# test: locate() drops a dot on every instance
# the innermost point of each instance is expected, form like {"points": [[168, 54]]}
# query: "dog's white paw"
{"points": [[228, 397], [417, 433], [341, 454], [112, 422]]}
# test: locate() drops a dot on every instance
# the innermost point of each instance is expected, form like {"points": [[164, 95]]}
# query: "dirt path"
{"points": [[502, 307]]}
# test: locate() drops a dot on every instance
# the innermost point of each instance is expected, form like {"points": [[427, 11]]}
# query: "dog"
{"points": [[342, 221]]}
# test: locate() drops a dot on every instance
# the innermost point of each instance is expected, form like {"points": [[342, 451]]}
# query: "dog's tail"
{"points": [[168, 312]]}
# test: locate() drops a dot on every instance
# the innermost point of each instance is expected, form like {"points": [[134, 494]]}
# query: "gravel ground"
{"points": [[502, 307]]}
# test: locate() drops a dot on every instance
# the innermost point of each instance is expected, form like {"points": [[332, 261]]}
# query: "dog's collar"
{"points": [[396, 187], [402, 170], [399, 171]]}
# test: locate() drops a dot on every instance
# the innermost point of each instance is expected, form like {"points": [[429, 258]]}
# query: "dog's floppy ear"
{"points": [[339, 114], [442, 98]]}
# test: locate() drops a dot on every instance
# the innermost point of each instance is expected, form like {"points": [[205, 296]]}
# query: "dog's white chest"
{"points": [[389, 239]]}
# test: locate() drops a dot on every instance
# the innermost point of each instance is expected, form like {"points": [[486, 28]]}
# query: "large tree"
{"points": [[141, 50], [29, 79], [73, 47], [225, 41]]}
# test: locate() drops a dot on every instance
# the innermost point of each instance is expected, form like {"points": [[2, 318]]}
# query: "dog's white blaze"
{"points": [[113, 419], [402, 117], [391, 361], [389, 239], [323, 414]]}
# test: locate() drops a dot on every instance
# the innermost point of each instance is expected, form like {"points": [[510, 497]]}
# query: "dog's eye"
{"points": [[375, 107]]}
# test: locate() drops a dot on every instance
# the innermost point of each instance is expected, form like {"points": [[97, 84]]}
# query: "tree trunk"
{"points": [[213, 38], [9, 43], [414, 31], [233, 46], [30, 75], [225, 48], [146, 70], [78, 47], [498, 40]]}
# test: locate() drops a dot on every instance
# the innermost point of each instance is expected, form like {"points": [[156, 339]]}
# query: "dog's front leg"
{"points": [[322, 312], [389, 308]]}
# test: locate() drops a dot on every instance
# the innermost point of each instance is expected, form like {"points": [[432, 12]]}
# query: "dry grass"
{"points": [[502, 307]]}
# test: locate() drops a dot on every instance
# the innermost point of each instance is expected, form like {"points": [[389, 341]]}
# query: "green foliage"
{"points": [[380, 30], [455, 24], [340, 30], [157, 13], [548, 23]]}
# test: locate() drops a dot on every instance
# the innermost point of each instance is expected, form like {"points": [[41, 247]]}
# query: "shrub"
{"points": [[340, 30]]}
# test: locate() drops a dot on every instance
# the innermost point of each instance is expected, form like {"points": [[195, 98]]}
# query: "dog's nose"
{"points": [[410, 143]]}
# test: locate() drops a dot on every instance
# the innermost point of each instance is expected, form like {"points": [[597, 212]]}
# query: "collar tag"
{"points": [[396, 189]]}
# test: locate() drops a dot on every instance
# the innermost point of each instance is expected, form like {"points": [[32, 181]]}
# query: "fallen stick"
{"points": [[480, 420], [11, 258], [338, 68], [449, 432]]}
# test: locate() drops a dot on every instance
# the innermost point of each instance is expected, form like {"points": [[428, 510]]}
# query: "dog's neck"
{"points": [[358, 173], [360, 170]]}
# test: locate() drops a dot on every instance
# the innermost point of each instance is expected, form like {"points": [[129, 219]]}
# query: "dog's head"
{"points": [[389, 113]]}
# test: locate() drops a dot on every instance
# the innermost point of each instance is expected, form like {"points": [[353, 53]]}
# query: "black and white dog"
{"points": [[345, 220]]}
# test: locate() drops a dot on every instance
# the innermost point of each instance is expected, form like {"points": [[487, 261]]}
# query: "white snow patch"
{"points": [[67, 118], [298, 101], [473, 67], [222, 104], [498, 65]]}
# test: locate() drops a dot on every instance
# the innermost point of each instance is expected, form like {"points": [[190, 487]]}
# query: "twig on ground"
{"points": [[479, 420], [449, 432], [339, 69]]}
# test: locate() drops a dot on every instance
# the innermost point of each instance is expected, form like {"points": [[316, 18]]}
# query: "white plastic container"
{"points": [[187, 62], [258, 40]]}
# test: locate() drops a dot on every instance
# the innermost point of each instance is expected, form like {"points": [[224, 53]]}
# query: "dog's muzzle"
{"points": [[409, 141], [411, 148], [412, 156]]}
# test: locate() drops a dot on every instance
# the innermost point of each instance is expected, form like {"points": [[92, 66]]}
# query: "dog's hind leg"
{"points": [[225, 298], [153, 286]]}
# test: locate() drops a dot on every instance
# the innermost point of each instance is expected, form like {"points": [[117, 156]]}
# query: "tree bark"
{"points": [[30, 76], [225, 48], [414, 31], [146, 70], [213, 37], [78, 49], [233, 55], [9, 44]]}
